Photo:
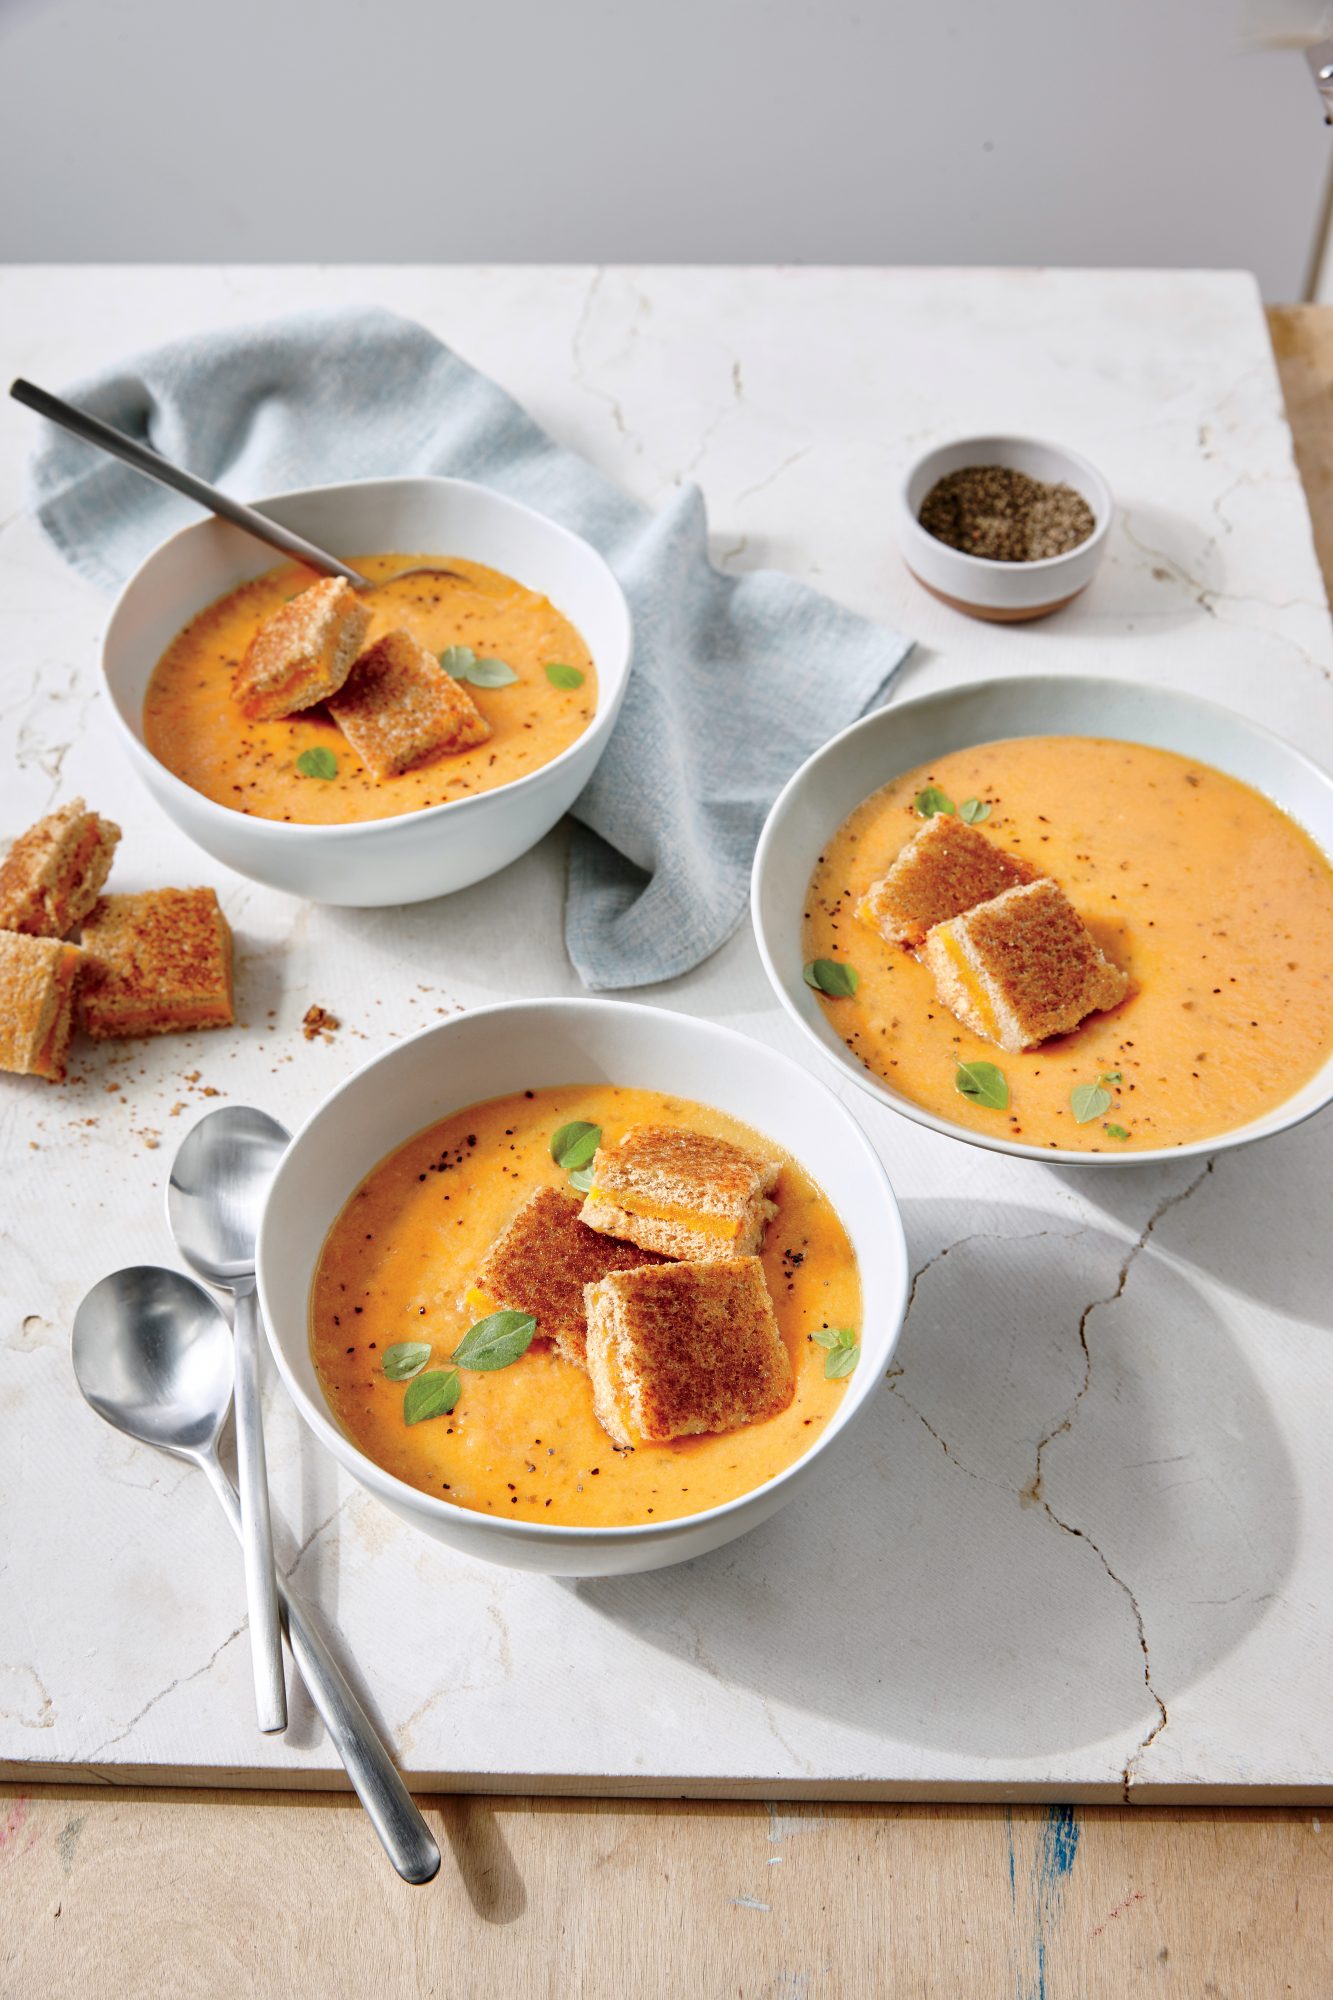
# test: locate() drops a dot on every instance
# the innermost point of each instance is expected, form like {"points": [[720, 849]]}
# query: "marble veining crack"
{"points": [[182, 1680]]}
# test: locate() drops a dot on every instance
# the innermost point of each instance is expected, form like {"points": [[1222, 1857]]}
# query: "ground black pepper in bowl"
{"points": [[998, 512]]}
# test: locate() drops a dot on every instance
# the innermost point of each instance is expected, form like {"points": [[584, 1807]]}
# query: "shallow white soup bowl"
{"points": [[523, 1046], [417, 854], [832, 783]]}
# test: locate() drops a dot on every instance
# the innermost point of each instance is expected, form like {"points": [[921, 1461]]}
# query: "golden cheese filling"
{"points": [[972, 985], [722, 1226]]}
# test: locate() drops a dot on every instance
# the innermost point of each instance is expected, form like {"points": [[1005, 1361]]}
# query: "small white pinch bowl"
{"points": [[832, 783], [415, 855], [1002, 592], [524, 1045]]}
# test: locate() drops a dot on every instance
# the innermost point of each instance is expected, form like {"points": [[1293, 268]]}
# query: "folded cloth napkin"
{"points": [[735, 681]]}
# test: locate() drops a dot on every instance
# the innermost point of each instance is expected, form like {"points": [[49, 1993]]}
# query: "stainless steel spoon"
{"points": [[215, 1198], [144, 459], [153, 1356]]}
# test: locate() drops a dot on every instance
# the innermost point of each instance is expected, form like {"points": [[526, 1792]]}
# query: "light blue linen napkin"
{"points": [[735, 681]]}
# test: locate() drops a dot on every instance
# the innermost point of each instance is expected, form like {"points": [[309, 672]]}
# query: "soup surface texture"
{"points": [[192, 725], [523, 1440], [1217, 905]]}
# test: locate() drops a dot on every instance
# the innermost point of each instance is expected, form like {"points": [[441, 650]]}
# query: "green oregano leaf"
{"points": [[490, 674], [495, 1342], [581, 1179], [832, 976], [983, 1083], [574, 1144], [1110, 1076], [1089, 1101], [973, 811], [561, 676], [1115, 1131], [840, 1361], [405, 1359], [317, 763], [931, 801], [432, 1395]]}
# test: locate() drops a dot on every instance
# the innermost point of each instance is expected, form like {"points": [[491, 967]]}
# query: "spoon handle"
{"points": [[261, 1587], [403, 1832], [141, 456]]}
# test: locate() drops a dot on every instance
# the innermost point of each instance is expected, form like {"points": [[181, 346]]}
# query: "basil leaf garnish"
{"points": [[983, 1083], [317, 763], [840, 1361], [931, 801], [832, 976], [581, 1179], [1115, 1131], [405, 1359], [1110, 1076], [496, 1341], [561, 676], [457, 660], [462, 664], [574, 1144], [432, 1395], [973, 811], [834, 1336], [1089, 1101]]}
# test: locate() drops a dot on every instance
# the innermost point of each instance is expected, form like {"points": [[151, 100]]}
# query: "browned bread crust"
{"points": [[400, 708], [541, 1262], [303, 652], [680, 1349], [37, 981], [53, 874], [945, 868], [159, 963], [682, 1192], [1022, 968]]}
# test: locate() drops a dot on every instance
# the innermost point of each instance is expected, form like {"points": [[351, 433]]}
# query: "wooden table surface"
{"points": [[139, 1892]]}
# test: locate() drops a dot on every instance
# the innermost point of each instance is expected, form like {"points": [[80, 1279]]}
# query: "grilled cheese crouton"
{"points": [[37, 981], [54, 873], [303, 652], [1022, 967], [158, 964], [540, 1264], [684, 1193], [400, 708], [945, 868], [679, 1349]]}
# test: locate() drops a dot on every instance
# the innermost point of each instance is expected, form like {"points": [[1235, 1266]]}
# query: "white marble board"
{"points": [[1155, 1618]]}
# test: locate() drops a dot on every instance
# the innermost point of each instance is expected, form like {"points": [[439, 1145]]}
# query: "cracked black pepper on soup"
{"points": [[998, 512]]}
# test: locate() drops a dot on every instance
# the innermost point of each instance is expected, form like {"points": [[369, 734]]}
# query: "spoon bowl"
{"points": [[153, 1356], [219, 1181]]}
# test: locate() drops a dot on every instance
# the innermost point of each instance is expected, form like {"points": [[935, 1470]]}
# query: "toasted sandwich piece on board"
{"points": [[37, 981], [303, 652], [684, 1193], [946, 868], [1022, 968], [400, 708], [541, 1262], [158, 964], [53, 874], [677, 1349]]}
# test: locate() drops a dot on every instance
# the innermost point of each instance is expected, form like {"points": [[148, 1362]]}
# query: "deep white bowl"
{"points": [[417, 854], [524, 1045], [869, 755], [1003, 592]]}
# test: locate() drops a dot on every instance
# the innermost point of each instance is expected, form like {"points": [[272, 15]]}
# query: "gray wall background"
{"points": [[831, 131]]}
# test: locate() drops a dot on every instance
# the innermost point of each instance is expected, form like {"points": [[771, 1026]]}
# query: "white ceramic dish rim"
{"points": [[988, 565], [415, 1498], [1234, 1136], [608, 698]]}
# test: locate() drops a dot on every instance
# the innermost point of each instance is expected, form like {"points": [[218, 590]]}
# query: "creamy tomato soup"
{"points": [[523, 1440], [192, 725], [1215, 903]]}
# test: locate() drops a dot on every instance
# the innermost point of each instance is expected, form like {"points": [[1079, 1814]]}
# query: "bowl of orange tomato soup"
{"points": [[391, 1194], [1194, 846], [289, 802]]}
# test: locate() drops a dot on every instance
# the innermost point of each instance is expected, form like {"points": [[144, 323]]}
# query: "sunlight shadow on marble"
{"points": [[923, 1591]]}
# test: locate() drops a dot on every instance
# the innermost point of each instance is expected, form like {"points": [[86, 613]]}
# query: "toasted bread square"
{"points": [[53, 874], [158, 964], [541, 1262], [37, 981], [303, 652], [947, 867], [400, 708], [683, 1348], [684, 1193], [1022, 967]]}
